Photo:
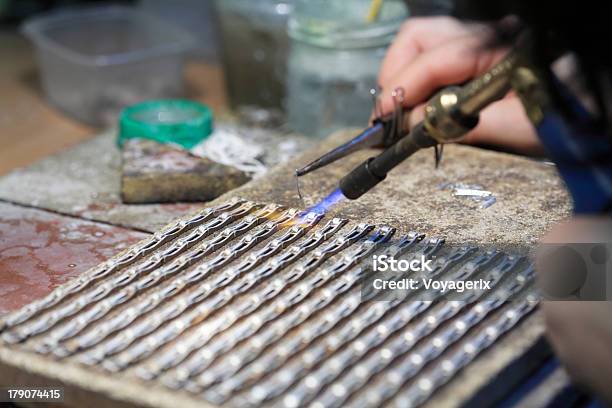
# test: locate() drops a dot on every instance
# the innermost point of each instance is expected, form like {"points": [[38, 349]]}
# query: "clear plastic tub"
{"points": [[95, 61]]}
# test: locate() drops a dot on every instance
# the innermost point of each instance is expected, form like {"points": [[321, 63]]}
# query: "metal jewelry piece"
{"points": [[206, 308], [204, 356], [470, 348], [411, 365], [201, 336], [334, 365], [174, 308]]}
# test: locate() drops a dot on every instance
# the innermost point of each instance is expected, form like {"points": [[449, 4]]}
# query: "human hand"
{"points": [[429, 53]]}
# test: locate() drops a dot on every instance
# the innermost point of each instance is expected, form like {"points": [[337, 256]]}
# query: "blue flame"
{"points": [[322, 206]]}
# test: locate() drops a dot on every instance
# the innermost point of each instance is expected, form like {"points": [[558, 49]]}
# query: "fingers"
{"points": [[418, 35], [450, 63]]}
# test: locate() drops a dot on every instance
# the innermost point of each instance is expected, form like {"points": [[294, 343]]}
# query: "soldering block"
{"points": [[159, 173]]}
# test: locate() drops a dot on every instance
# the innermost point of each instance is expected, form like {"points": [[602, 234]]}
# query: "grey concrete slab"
{"points": [[85, 181]]}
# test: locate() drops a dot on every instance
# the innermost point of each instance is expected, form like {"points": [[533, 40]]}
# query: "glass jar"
{"points": [[333, 63], [254, 50]]}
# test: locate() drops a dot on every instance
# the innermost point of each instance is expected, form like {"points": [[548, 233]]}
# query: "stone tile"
{"points": [[85, 182], [40, 250]]}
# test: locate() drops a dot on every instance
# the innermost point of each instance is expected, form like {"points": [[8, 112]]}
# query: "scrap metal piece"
{"points": [[472, 191]]}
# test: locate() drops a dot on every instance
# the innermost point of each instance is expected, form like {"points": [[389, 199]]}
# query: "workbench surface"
{"points": [[59, 207]]}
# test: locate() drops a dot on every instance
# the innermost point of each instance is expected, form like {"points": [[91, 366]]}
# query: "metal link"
{"points": [[239, 358], [105, 269], [204, 333], [96, 334], [278, 382], [244, 305], [48, 320], [311, 331], [470, 348], [183, 302]]}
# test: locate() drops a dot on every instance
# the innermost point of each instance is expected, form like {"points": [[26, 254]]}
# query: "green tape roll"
{"points": [[178, 121]]}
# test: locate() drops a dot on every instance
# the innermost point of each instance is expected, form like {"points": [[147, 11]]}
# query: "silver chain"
{"points": [[469, 349], [51, 341], [239, 358], [205, 305], [284, 378], [47, 320], [203, 358], [359, 374], [249, 304], [203, 309], [411, 364], [96, 334], [182, 302]]}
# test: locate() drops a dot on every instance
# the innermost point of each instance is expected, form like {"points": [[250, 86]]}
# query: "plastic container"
{"points": [[96, 61]]}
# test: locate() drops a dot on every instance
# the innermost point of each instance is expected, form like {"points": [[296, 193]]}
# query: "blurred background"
{"points": [[68, 68]]}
